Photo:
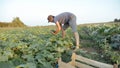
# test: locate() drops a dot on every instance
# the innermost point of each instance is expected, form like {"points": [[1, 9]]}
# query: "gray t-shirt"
{"points": [[63, 17], [67, 19]]}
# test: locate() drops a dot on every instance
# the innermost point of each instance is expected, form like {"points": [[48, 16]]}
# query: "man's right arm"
{"points": [[58, 28]]}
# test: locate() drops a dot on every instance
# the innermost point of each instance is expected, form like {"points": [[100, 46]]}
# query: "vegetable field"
{"points": [[36, 47]]}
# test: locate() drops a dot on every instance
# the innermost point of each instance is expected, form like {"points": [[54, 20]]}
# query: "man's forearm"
{"points": [[63, 33], [58, 27]]}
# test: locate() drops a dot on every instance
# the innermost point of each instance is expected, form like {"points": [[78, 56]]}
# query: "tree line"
{"points": [[16, 22], [116, 20]]}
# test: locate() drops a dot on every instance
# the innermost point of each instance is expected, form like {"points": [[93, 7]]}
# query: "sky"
{"points": [[35, 12]]}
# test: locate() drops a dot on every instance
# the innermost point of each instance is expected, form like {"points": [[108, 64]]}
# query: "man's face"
{"points": [[50, 18]]}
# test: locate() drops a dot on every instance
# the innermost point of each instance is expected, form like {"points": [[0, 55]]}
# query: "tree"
{"points": [[116, 20]]}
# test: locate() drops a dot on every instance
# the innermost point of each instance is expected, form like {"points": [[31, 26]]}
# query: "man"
{"points": [[63, 21]]}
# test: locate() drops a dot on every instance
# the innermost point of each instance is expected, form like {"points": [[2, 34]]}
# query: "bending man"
{"points": [[63, 21]]}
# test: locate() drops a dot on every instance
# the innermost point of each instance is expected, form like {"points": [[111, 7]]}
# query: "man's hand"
{"points": [[53, 32]]}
